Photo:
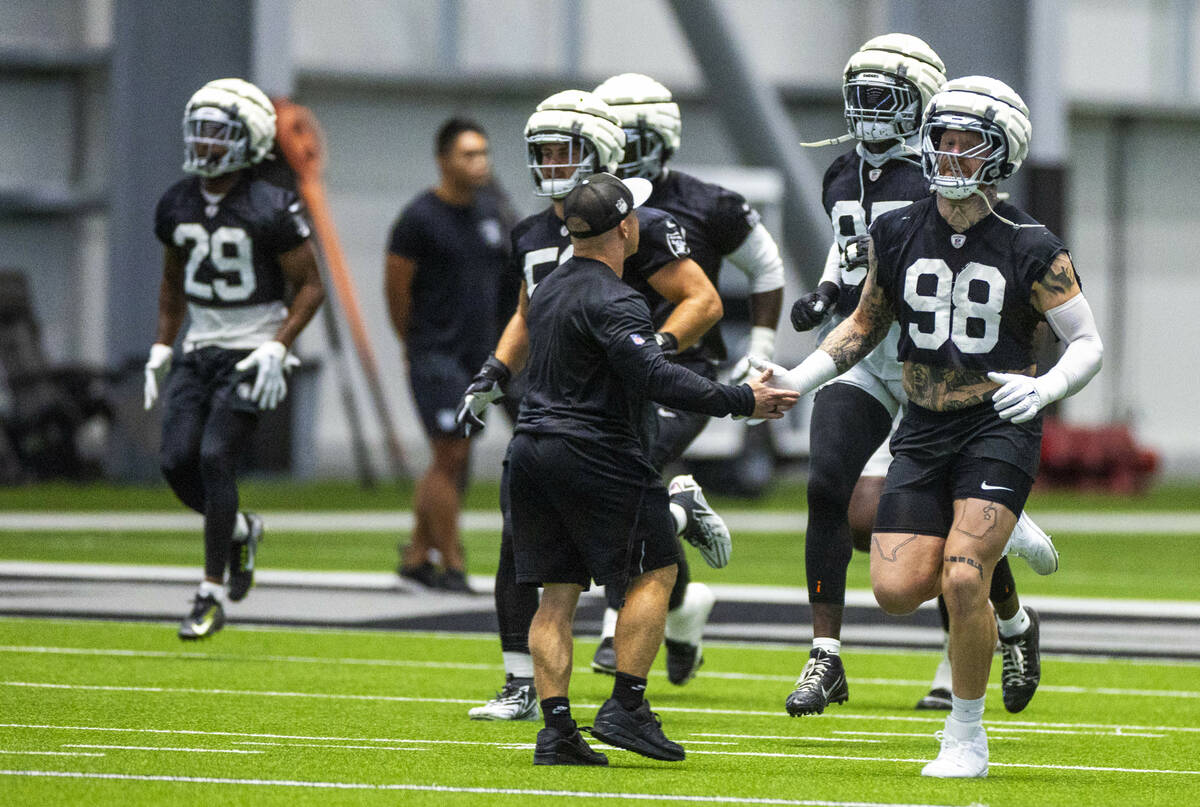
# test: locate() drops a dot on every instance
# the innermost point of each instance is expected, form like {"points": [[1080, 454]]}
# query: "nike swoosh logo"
{"points": [[202, 627], [986, 486]]}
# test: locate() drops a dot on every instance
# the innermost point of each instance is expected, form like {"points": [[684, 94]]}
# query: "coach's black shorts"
{"points": [[582, 513], [438, 381], [944, 456]]}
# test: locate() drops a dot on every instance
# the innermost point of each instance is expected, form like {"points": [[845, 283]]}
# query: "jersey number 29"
{"points": [[950, 302], [229, 249]]}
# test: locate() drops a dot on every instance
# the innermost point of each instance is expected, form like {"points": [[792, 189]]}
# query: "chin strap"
{"points": [[833, 141]]}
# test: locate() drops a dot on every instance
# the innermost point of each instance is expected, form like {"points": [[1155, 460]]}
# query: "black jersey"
{"points": [[233, 283], [854, 194], [459, 251], [716, 221], [594, 364], [540, 243], [963, 300]]}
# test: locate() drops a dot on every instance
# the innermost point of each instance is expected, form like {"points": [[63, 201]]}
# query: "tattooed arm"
{"points": [[860, 332], [945, 389], [1057, 286]]}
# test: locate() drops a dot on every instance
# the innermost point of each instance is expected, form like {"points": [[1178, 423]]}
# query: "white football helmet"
{"points": [[650, 119], [228, 124], [978, 104], [887, 84], [590, 130]]}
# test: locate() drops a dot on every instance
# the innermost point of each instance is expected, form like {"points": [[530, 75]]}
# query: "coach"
{"points": [[586, 503]]}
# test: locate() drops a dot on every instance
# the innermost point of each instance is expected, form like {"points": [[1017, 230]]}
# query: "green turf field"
{"points": [[120, 713]]}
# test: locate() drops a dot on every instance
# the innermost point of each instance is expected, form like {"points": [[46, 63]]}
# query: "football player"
{"points": [[720, 224], [886, 85], [233, 242], [968, 279], [570, 136]]}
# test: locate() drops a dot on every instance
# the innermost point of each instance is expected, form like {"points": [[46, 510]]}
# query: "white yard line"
{"points": [[389, 521], [485, 791], [162, 748], [53, 753]]}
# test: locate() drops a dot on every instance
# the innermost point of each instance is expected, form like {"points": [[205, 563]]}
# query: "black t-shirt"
{"points": [[231, 256], [715, 221], [459, 253], [594, 364], [963, 300], [854, 194]]}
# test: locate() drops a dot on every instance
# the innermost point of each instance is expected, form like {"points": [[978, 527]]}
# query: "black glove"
{"points": [[485, 387], [668, 343], [856, 252], [811, 309]]}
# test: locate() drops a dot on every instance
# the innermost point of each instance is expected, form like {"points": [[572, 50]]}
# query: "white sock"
{"points": [[830, 646], [241, 529], [211, 589], [680, 516], [1015, 626], [608, 627], [966, 715], [518, 665]]}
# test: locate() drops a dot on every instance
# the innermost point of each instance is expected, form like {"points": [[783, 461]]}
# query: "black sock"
{"points": [[629, 690], [557, 712]]}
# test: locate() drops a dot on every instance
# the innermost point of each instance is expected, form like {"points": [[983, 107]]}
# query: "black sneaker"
{"points": [[639, 731], [425, 574], [938, 699], [605, 660], [822, 682], [454, 580], [555, 749], [207, 617], [683, 660], [1021, 671], [241, 559]]}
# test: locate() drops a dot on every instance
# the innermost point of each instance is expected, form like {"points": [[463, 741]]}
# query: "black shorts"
{"points": [[941, 457], [208, 379], [583, 513], [675, 429], [438, 381]]}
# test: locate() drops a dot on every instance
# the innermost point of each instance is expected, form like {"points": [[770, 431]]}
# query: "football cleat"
{"points": [[1030, 542], [822, 682], [454, 580], [425, 574], [1021, 668], [516, 701], [960, 759], [605, 660], [555, 749], [207, 617], [683, 661], [639, 731], [938, 699], [704, 529], [241, 559]]}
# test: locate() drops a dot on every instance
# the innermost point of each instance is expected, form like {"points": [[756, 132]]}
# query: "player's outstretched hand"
{"points": [[1019, 398], [771, 402], [485, 388], [269, 360], [157, 367]]}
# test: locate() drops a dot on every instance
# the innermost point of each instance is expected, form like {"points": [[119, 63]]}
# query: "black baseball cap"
{"points": [[601, 202]]}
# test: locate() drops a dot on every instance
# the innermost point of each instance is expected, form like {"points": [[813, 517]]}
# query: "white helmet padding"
{"points": [[228, 124], [587, 126]]}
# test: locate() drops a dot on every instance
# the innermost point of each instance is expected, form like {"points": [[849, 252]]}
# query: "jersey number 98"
{"points": [[948, 298]]}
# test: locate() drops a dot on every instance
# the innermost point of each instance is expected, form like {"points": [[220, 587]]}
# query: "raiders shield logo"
{"points": [[677, 240], [874, 174], [957, 240]]}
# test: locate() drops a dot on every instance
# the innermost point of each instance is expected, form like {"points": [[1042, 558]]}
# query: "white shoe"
{"points": [[516, 701], [1030, 542], [704, 530], [960, 759]]}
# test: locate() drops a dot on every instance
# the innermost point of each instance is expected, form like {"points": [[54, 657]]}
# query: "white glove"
{"points": [[1021, 397], [762, 345], [157, 367], [271, 359]]}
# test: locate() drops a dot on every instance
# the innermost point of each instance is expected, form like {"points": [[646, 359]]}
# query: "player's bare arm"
{"points": [[697, 305], [513, 347], [1057, 286], [299, 266], [397, 286], [765, 308], [863, 330], [172, 305]]}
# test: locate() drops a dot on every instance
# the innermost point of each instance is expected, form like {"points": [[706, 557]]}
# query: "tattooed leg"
{"points": [[905, 569], [973, 547]]}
